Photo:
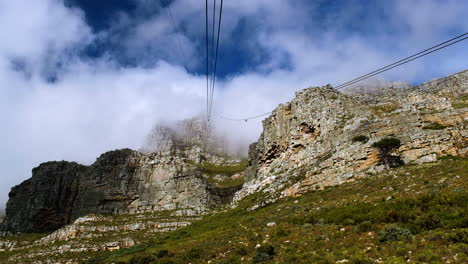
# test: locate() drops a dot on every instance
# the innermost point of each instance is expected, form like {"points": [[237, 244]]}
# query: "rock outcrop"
{"points": [[120, 182], [89, 235], [313, 141]]}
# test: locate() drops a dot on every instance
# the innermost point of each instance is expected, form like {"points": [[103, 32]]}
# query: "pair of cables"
{"points": [[418, 55], [211, 61]]}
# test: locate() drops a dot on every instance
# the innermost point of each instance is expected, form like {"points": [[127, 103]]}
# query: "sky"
{"points": [[82, 77]]}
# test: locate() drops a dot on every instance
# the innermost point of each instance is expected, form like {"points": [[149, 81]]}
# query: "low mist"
{"points": [[214, 137]]}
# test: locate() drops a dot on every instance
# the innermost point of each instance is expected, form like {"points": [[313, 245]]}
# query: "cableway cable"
{"points": [[207, 64], [177, 32], [381, 70], [403, 61], [216, 55]]}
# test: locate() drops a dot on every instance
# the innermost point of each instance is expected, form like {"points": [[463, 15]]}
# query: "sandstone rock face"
{"points": [[119, 182], [308, 142]]}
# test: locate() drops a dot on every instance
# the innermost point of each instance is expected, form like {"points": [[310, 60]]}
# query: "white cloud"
{"points": [[97, 105]]}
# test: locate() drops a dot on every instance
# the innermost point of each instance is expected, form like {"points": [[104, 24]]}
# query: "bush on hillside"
{"points": [[434, 126], [385, 147], [364, 226], [194, 253], [394, 233], [162, 253], [263, 253], [360, 138], [142, 259]]}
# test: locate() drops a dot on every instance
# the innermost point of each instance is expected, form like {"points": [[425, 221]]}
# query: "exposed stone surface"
{"points": [[89, 235], [308, 143], [119, 182]]}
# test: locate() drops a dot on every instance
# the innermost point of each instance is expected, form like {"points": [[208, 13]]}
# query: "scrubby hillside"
{"points": [[415, 214]]}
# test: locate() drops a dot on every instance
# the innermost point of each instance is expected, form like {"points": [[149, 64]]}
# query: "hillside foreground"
{"points": [[415, 214]]}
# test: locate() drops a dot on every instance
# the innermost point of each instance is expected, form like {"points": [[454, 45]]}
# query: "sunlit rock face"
{"points": [[308, 143], [121, 182]]}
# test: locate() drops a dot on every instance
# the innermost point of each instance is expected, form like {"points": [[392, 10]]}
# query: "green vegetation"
{"points": [[385, 108], [263, 254], [360, 138], [434, 126], [461, 102], [221, 176], [386, 146], [226, 170], [394, 233], [412, 213]]}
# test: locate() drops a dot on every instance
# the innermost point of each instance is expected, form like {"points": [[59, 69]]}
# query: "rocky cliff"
{"points": [[121, 182], [324, 137]]}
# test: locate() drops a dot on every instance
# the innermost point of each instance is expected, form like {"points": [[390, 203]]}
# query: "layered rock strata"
{"points": [[310, 142]]}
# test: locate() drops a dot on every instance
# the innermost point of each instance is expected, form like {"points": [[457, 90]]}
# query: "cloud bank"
{"points": [[60, 103]]}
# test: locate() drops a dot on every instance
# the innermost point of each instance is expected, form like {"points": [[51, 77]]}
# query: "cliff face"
{"points": [[308, 143], [119, 182], [322, 137]]}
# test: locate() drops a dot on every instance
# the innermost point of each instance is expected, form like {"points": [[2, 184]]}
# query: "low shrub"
{"points": [[162, 253], [427, 256], [164, 261], [394, 233], [194, 253], [434, 126], [365, 226], [142, 259], [458, 236], [360, 138], [180, 235], [263, 253], [281, 232], [385, 147], [361, 260], [241, 251], [387, 144]]}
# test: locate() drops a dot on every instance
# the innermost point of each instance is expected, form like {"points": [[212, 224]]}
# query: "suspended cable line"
{"points": [[217, 52], [404, 61], [381, 70], [244, 119], [207, 64], [212, 57], [177, 32], [211, 63]]}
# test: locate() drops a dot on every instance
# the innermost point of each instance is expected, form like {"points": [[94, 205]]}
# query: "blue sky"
{"points": [[81, 77], [371, 19]]}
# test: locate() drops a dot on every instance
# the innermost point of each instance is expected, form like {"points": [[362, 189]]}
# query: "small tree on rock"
{"points": [[386, 146]]}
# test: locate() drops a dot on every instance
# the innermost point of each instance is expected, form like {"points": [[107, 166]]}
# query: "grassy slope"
{"points": [[225, 171], [338, 223]]}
